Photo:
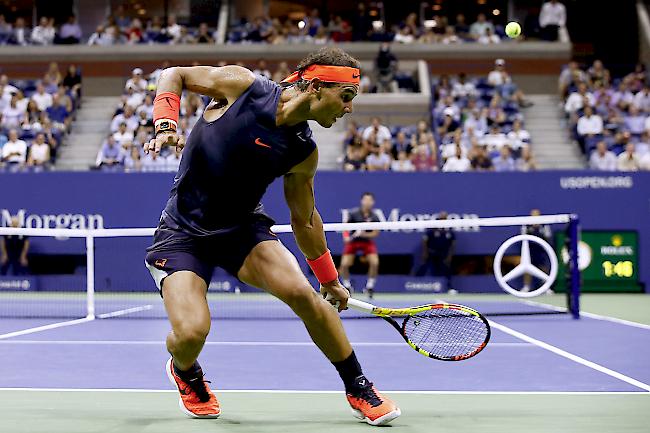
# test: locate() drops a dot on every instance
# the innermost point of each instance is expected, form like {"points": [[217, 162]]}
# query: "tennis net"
{"points": [[105, 276]]}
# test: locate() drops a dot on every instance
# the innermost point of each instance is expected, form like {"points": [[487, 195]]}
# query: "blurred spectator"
{"points": [[438, 246], [576, 100], [461, 28], [42, 98], [14, 151], [39, 152], [13, 115], [52, 76], [19, 33], [122, 134], [634, 122], [59, 113], [450, 36], [281, 72], [551, 18], [380, 133], [480, 160], [5, 30], [402, 144], [263, 70], [354, 159], [628, 160], [500, 79], [361, 23], [136, 81], [120, 18], [598, 74], [44, 32], [70, 32], [489, 37], [480, 27], [134, 34], [589, 125], [102, 37], [602, 159], [153, 162], [13, 252], [458, 162], [72, 80], [526, 161], [404, 36], [504, 161], [132, 161], [173, 29], [463, 88], [109, 154], [572, 75], [402, 163], [385, 68], [153, 77], [377, 159], [518, 137], [203, 35], [642, 99]]}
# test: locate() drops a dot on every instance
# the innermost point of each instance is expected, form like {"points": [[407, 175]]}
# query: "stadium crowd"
{"points": [[608, 117], [35, 117], [478, 125]]}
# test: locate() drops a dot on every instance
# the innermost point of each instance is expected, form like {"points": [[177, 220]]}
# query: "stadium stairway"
{"points": [[88, 131], [330, 144], [552, 147]]}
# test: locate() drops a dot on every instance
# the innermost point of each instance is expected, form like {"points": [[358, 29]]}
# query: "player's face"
{"points": [[367, 202], [335, 101]]}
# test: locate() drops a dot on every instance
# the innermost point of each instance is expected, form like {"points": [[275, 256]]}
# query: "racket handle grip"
{"points": [[360, 305]]}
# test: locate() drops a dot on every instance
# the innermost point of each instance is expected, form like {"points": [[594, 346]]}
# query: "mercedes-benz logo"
{"points": [[525, 266]]}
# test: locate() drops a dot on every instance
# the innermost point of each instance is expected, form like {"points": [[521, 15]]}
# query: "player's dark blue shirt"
{"points": [[357, 216], [228, 163]]}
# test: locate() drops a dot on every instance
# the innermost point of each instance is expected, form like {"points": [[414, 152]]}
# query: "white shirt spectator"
{"points": [[138, 84], [590, 125], [449, 150], [575, 101], [644, 162], [43, 100], [15, 151], [457, 164], [489, 39], [494, 140], [642, 100], [132, 122], [479, 125], [479, 28], [519, 138], [647, 123], [552, 14], [625, 162], [404, 36], [605, 162], [402, 165], [121, 137], [383, 133], [39, 153], [635, 123], [135, 100], [12, 117], [378, 161], [147, 109], [498, 78], [43, 34], [463, 89], [153, 163]]}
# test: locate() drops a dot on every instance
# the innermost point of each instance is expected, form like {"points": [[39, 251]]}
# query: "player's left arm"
{"points": [[307, 225]]}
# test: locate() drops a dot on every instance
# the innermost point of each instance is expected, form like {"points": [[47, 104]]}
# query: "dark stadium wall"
{"points": [[604, 201]]}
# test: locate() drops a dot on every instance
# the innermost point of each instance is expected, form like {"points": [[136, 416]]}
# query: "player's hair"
{"points": [[332, 56], [368, 193]]}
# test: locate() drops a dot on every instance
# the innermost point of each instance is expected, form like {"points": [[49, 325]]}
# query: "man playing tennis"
{"points": [[252, 132]]}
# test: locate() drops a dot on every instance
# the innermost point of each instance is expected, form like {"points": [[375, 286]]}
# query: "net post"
{"points": [[90, 276], [574, 279]]}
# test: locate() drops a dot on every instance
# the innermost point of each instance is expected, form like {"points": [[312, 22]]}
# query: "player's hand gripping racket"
{"points": [[447, 332]]}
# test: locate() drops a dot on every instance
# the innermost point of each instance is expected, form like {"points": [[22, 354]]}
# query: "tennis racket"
{"points": [[447, 332]]}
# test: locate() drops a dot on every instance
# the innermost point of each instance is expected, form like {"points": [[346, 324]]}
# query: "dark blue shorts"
{"points": [[175, 250]]}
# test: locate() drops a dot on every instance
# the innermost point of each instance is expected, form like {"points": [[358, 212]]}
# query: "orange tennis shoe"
{"points": [[196, 399], [369, 405]]}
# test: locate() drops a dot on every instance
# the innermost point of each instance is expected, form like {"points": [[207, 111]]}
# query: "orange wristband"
{"points": [[324, 268], [166, 107]]}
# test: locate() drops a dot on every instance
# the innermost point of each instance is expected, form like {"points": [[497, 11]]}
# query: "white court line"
{"points": [[592, 315], [125, 311], [223, 343], [570, 356], [45, 327], [302, 391]]}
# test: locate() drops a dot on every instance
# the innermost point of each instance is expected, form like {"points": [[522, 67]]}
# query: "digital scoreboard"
{"points": [[608, 260]]}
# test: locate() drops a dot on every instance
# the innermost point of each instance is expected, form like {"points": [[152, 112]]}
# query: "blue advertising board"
{"points": [[604, 201]]}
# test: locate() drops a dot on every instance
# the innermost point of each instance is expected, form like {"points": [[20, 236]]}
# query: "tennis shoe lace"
{"points": [[367, 392], [197, 385]]}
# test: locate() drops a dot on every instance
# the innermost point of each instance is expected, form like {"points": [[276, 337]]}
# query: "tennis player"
{"points": [[252, 132]]}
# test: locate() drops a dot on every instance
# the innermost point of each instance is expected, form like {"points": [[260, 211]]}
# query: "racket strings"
{"points": [[446, 333]]}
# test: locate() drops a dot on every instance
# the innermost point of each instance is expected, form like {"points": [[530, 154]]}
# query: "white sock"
{"points": [[346, 283], [370, 284]]}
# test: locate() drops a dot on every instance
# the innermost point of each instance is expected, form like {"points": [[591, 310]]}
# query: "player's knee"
{"points": [[193, 333], [302, 300]]}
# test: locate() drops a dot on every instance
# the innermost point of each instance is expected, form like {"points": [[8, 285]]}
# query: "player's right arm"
{"points": [[220, 83]]}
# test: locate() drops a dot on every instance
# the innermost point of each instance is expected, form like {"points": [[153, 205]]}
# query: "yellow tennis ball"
{"points": [[513, 29]]}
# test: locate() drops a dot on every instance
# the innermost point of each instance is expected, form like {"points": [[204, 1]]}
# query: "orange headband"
{"points": [[329, 73]]}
